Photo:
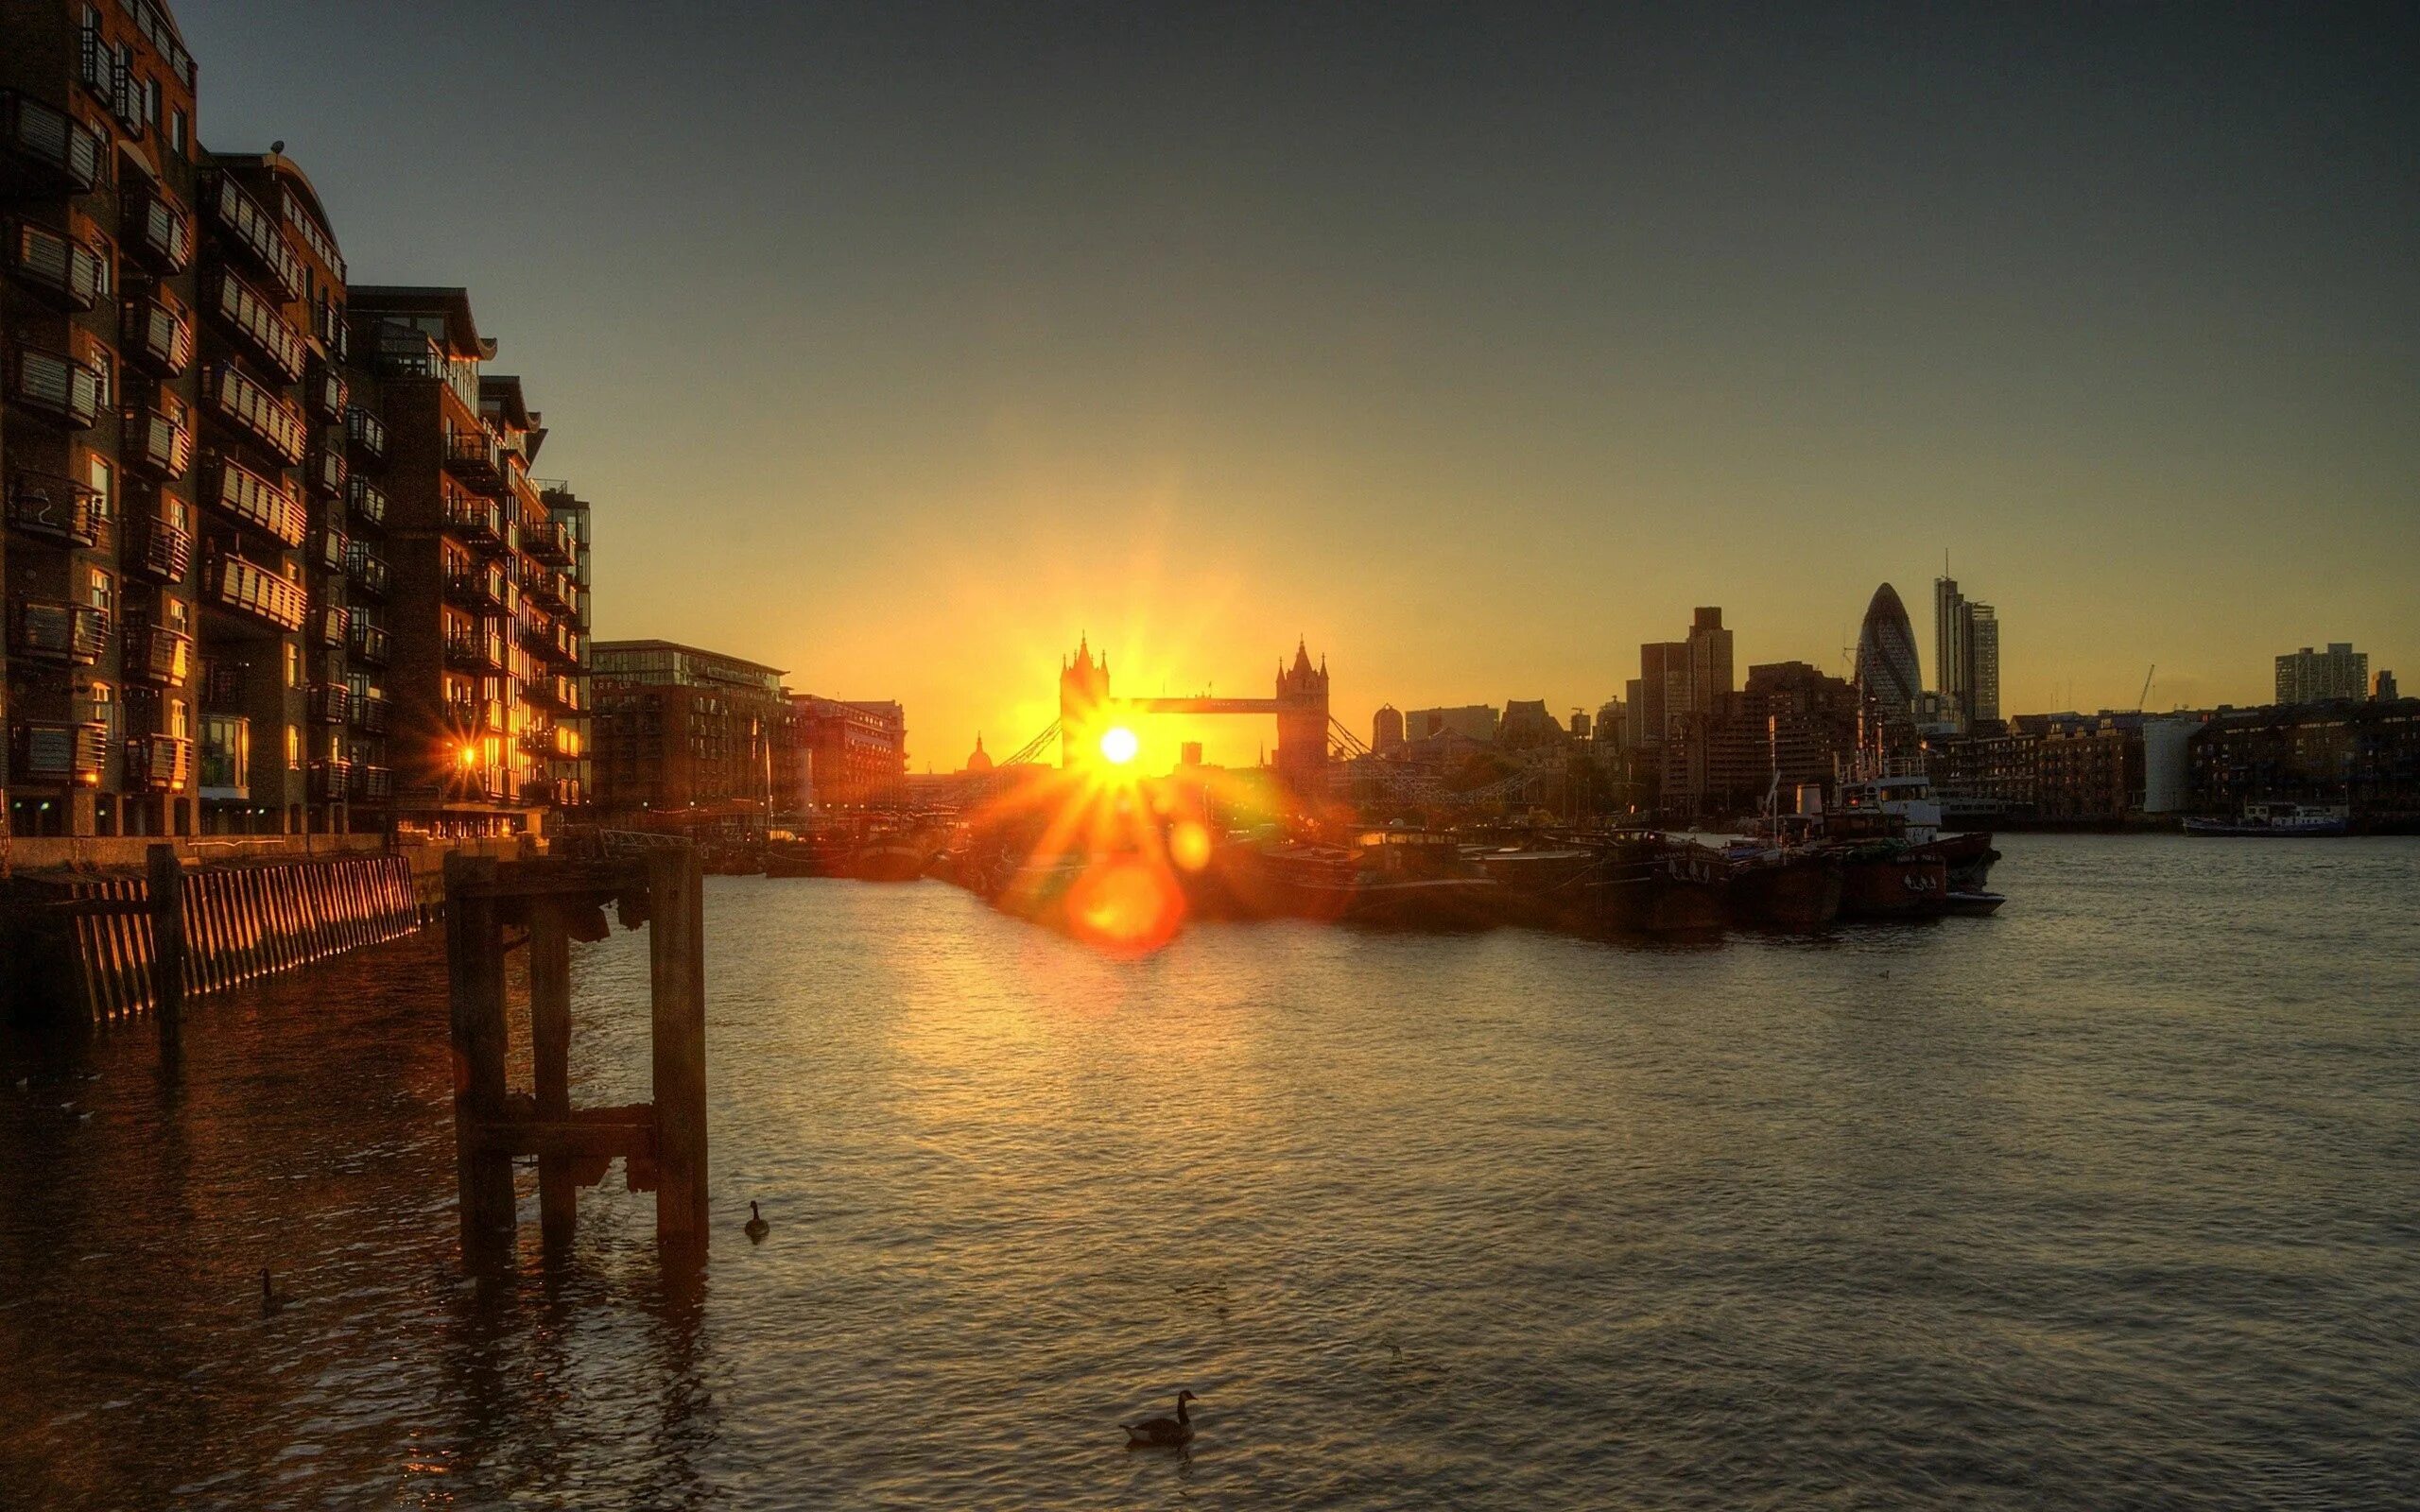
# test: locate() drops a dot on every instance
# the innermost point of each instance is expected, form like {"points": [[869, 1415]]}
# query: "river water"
{"points": [[2113, 1200]]}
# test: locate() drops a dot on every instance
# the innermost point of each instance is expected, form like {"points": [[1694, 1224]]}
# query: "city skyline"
{"points": [[1531, 390]]}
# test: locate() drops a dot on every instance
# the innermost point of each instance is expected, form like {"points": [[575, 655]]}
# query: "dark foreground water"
{"points": [[2112, 1200]]}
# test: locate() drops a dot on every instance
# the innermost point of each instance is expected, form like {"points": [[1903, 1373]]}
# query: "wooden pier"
{"points": [[551, 903]]}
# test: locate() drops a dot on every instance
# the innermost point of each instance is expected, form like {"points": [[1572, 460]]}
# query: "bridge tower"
{"points": [[1302, 725], [1084, 698]]}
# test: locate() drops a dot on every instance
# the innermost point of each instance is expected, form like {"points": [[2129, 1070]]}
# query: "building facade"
{"points": [[199, 561], [1966, 655], [2323, 677], [1887, 665], [686, 736], [2364, 755], [856, 751]]}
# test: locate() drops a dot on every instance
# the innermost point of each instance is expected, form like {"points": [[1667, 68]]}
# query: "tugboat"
{"points": [[2279, 821]]}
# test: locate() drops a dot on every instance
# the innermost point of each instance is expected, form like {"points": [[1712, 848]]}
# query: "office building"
{"points": [[686, 737], [1888, 671], [2323, 677], [1966, 655]]}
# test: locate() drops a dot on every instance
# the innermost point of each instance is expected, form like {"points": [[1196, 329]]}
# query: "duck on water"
{"points": [[1163, 1433]]}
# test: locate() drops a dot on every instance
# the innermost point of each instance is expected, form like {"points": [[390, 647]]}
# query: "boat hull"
{"points": [[1905, 883], [1795, 893]]}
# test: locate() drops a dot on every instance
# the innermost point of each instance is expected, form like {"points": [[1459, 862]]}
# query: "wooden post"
{"points": [[475, 960], [167, 890], [677, 961], [550, 1056]]}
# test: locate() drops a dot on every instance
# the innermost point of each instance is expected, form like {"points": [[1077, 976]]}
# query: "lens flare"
{"points": [[1119, 745], [1190, 844]]}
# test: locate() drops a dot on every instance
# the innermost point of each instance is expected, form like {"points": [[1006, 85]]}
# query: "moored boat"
{"points": [[1783, 888], [2278, 821]]}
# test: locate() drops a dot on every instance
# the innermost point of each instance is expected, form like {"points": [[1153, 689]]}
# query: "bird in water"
{"points": [[757, 1228], [272, 1300], [1162, 1432]]}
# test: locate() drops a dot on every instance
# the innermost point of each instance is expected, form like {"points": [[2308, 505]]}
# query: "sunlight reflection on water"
{"points": [[2113, 1191]]}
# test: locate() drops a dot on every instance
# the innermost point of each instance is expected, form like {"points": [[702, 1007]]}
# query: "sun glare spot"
{"points": [[1118, 745]]}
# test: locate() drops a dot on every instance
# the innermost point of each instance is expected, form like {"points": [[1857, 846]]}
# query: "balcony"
{"points": [[368, 502], [551, 543], [327, 704], [158, 231], [472, 455], [159, 443], [366, 569], [253, 589], [73, 634], [467, 588], [329, 625], [482, 717], [161, 764], [366, 434], [269, 418], [54, 752], [372, 784], [157, 654], [252, 232], [56, 387], [478, 520], [326, 394], [404, 352], [328, 550], [57, 509], [157, 335], [253, 317], [369, 644], [247, 498], [330, 781], [326, 474], [157, 550], [557, 691], [327, 322], [369, 715], [66, 273], [66, 149], [221, 686], [471, 651]]}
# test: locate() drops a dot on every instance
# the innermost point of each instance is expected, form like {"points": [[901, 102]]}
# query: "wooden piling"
{"points": [[550, 1059], [677, 973], [474, 969], [167, 877]]}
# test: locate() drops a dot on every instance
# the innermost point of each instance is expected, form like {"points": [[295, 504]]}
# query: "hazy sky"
{"points": [[898, 345]]}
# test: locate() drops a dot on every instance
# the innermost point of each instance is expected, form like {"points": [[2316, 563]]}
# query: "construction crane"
{"points": [[2142, 699]]}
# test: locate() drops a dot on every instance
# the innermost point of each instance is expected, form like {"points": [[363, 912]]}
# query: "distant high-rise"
{"points": [[1887, 666], [2322, 677], [2384, 690], [1385, 729], [1709, 661], [1966, 653], [1983, 662]]}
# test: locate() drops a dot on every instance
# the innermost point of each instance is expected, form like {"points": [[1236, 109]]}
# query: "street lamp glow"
{"points": [[1119, 745]]}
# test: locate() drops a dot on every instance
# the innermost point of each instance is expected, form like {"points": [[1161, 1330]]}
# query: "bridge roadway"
{"points": [[1193, 706]]}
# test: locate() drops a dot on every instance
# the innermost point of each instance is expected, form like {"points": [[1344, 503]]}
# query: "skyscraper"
{"points": [[1887, 666], [1966, 653]]}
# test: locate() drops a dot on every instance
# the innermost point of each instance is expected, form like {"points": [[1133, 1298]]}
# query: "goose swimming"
{"points": [[756, 1226], [1162, 1432], [272, 1300]]}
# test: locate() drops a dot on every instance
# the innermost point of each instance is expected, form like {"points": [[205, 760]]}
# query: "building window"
{"points": [[100, 591], [176, 613], [180, 720], [100, 707], [177, 131], [294, 748], [102, 480], [293, 665]]}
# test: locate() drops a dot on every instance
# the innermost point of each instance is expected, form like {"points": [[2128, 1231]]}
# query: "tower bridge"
{"points": [[1298, 704]]}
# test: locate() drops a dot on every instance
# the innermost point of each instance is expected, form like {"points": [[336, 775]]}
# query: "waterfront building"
{"points": [[2089, 768], [482, 638], [2323, 677], [197, 556], [1476, 721], [1985, 774], [1887, 667], [857, 752], [688, 737], [1386, 731], [2365, 755]]}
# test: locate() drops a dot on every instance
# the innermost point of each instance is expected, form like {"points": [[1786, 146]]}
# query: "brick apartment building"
{"points": [[236, 485]]}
